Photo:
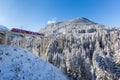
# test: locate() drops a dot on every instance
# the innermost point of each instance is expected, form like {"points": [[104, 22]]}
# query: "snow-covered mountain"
{"points": [[84, 49], [3, 28], [19, 64], [81, 20], [66, 27]]}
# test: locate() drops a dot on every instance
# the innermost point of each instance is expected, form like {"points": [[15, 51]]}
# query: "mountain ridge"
{"points": [[78, 20], [69, 25]]}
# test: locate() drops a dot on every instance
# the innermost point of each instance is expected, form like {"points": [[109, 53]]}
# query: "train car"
{"points": [[26, 32]]}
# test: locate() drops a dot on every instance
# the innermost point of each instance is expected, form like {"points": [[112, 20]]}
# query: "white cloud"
{"points": [[53, 20]]}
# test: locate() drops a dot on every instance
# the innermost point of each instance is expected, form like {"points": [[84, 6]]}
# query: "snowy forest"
{"points": [[82, 49]]}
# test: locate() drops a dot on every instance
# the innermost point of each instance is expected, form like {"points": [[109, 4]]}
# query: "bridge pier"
{"points": [[1, 38], [60, 44], [23, 41], [42, 46], [4, 38]]}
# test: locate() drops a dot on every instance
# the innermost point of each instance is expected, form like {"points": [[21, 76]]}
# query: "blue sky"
{"points": [[34, 14]]}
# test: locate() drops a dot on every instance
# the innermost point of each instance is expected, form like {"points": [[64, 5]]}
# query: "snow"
{"points": [[3, 28], [77, 37], [19, 64], [81, 21], [63, 31]]}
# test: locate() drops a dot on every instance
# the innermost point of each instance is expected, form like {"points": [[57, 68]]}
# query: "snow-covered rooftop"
{"points": [[19, 64]]}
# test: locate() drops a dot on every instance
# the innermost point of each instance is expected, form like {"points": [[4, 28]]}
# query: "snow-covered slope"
{"points": [[3, 28], [19, 64], [81, 20], [65, 27], [84, 49]]}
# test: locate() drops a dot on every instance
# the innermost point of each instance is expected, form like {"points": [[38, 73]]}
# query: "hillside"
{"points": [[68, 27], [19, 64], [89, 50]]}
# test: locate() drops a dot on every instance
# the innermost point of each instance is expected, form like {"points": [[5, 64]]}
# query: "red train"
{"points": [[26, 32]]}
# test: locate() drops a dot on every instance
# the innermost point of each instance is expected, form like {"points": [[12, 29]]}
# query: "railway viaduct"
{"points": [[39, 44]]}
